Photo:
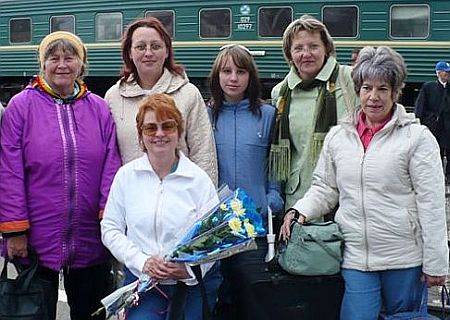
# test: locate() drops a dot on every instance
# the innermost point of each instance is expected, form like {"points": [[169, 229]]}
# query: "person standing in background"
{"points": [[433, 110], [242, 126], [149, 67], [58, 158], [354, 57], [314, 94]]}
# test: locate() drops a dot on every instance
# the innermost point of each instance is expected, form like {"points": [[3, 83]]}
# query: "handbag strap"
{"points": [[445, 299], [177, 306], [4, 274], [198, 275], [325, 247], [25, 275]]}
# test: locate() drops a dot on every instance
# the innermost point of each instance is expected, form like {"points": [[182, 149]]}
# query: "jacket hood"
{"points": [[400, 118], [167, 83]]}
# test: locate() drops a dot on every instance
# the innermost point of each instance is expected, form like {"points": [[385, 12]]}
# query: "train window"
{"points": [[410, 21], [62, 23], [20, 30], [215, 23], [341, 21], [272, 21], [167, 19], [108, 26]]}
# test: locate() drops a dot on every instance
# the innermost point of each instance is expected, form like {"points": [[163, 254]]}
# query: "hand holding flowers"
{"points": [[160, 269]]}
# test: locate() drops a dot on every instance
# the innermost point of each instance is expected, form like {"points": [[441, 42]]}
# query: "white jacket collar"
{"points": [[183, 169], [399, 118]]}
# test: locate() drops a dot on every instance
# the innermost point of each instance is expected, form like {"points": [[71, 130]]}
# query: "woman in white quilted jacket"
{"points": [[384, 170]]}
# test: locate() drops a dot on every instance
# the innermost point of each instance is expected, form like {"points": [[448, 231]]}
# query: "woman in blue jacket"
{"points": [[242, 126]]}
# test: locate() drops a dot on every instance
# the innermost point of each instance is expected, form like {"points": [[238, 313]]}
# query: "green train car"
{"points": [[419, 30]]}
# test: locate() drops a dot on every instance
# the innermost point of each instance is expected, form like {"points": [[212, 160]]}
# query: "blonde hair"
{"points": [[311, 25]]}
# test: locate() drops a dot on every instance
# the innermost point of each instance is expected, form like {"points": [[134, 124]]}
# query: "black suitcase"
{"points": [[266, 292], [280, 296]]}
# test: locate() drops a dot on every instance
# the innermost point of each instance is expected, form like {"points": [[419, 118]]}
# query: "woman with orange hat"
{"points": [[59, 156]]}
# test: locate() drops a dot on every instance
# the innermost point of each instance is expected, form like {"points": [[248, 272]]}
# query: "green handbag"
{"points": [[314, 249]]}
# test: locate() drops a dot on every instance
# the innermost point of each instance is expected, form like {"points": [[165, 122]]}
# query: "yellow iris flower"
{"points": [[249, 228], [235, 224], [236, 205]]}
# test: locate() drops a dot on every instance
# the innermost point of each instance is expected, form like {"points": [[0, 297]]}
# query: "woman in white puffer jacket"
{"points": [[384, 170]]}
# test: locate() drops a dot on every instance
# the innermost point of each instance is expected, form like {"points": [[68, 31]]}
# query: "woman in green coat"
{"points": [[313, 95]]}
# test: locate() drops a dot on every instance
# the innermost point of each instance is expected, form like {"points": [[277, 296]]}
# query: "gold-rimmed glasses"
{"points": [[141, 47]]}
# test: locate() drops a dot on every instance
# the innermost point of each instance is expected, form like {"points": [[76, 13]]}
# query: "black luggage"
{"points": [[266, 292], [282, 296]]}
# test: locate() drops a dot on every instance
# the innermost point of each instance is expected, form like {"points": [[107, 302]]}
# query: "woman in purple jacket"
{"points": [[58, 158]]}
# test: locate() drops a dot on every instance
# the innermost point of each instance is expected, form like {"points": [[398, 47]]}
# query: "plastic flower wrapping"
{"points": [[227, 229]]}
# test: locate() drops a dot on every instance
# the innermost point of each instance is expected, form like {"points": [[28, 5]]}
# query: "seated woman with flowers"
{"points": [[152, 198]]}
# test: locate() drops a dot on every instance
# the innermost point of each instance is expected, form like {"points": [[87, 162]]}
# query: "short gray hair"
{"points": [[309, 24], [382, 64]]}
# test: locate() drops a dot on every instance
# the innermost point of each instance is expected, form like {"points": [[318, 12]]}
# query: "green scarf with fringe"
{"points": [[325, 116]]}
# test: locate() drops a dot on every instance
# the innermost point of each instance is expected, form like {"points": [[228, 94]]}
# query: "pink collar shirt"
{"points": [[365, 133]]}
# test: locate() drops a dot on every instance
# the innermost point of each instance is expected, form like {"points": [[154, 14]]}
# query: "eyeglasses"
{"points": [[232, 45], [169, 126], [153, 46], [313, 48]]}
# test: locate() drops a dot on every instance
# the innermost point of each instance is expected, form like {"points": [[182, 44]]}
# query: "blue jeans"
{"points": [[366, 292], [154, 306]]}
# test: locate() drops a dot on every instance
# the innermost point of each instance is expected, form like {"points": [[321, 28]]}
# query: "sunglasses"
{"points": [[232, 45], [169, 126]]}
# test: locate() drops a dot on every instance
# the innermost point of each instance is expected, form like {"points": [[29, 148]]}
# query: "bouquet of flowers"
{"points": [[229, 228]]}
